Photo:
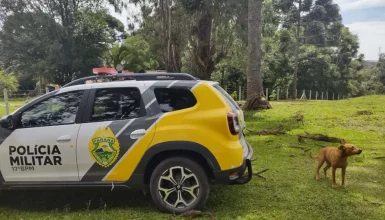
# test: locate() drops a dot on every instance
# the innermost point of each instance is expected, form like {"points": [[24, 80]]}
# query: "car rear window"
{"points": [[174, 99], [227, 97]]}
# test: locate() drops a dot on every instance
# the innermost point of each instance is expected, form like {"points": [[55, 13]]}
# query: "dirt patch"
{"points": [[322, 137], [278, 131], [364, 112]]}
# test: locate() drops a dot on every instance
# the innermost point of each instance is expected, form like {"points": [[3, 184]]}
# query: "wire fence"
{"points": [[240, 94]]}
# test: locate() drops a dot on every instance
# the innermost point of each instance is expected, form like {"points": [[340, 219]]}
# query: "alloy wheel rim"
{"points": [[178, 187]]}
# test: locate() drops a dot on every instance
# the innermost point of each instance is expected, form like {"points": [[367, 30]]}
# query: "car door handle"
{"points": [[64, 138], [137, 134]]}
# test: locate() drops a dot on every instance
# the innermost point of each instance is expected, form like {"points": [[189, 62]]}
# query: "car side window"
{"points": [[116, 104], [174, 99], [58, 110]]}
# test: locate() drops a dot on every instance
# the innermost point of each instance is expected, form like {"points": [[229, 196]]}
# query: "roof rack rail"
{"points": [[136, 76]]}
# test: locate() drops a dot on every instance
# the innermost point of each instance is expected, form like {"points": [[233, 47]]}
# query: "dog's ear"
{"points": [[342, 147]]}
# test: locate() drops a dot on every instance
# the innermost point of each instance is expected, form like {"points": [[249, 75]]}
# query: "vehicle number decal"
{"points": [[23, 168]]}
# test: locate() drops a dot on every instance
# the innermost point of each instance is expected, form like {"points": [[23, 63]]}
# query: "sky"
{"points": [[365, 18]]}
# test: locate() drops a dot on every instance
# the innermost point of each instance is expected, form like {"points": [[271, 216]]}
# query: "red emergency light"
{"points": [[109, 71]]}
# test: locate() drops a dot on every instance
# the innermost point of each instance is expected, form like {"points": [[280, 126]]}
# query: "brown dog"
{"points": [[336, 158]]}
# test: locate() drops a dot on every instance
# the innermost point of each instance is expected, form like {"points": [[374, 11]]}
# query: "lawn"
{"points": [[289, 191], [13, 105]]}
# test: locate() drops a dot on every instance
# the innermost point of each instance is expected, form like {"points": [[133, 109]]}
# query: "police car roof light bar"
{"points": [[136, 76]]}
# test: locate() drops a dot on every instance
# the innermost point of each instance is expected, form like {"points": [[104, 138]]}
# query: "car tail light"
{"points": [[233, 123]]}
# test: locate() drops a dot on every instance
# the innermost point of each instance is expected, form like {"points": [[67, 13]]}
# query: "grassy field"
{"points": [[289, 191], [13, 105]]}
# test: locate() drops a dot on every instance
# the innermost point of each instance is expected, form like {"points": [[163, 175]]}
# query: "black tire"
{"points": [[187, 190]]}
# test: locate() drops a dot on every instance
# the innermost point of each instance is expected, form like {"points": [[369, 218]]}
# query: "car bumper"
{"points": [[237, 175]]}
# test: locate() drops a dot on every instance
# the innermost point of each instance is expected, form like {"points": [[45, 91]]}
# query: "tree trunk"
{"points": [[297, 51], [202, 47], [255, 97]]}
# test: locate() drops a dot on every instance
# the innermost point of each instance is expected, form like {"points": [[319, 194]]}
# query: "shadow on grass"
{"points": [[258, 121], [74, 200]]}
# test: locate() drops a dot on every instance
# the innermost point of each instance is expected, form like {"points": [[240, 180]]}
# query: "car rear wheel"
{"points": [[178, 185]]}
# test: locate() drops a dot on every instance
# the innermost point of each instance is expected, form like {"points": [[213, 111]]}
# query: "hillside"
{"points": [[289, 191]]}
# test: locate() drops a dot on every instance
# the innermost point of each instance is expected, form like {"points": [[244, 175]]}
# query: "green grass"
{"points": [[290, 190], [13, 105]]}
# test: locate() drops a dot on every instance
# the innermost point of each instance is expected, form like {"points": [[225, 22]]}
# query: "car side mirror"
{"points": [[7, 122]]}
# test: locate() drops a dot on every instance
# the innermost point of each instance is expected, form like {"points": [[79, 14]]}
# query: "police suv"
{"points": [[171, 133]]}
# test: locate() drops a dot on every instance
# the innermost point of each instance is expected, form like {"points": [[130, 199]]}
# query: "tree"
{"points": [[165, 26], [55, 40], [8, 81], [293, 11], [381, 68], [26, 41], [134, 54], [255, 96]]}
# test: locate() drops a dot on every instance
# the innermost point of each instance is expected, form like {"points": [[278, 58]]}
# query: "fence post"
{"points": [[316, 95], [287, 93], [226, 88], [267, 94], [6, 101], [338, 96], [46, 90], [240, 93], [327, 95], [322, 96], [310, 95], [296, 90], [278, 94]]}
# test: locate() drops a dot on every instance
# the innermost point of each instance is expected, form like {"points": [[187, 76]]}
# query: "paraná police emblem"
{"points": [[104, 147]]}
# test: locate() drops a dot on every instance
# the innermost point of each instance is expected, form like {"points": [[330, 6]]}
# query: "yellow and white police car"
{"points": [[172, 133]]}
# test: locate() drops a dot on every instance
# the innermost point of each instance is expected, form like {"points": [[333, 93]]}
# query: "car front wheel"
{"points": [[178, 185]]}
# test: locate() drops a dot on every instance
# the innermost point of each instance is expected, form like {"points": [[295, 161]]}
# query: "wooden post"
{"points": [[316, 95], [310, 95], [6, 102], [296, 90], [322, 96], [327, 95], [267, 94], [46, 90], [338, 96], [240, 93], [303, 96], [287, 93], [278, 94]]}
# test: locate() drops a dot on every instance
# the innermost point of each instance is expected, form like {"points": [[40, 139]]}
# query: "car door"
{"points": [[43, 146], [115, 134]]}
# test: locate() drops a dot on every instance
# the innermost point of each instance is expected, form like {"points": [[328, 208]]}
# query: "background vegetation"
{"points": [[58, 41]]}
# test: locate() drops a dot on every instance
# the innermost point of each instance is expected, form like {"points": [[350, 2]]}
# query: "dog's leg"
{"points": [[320, 163], [334, 184], [343, 176], [328, 165]]}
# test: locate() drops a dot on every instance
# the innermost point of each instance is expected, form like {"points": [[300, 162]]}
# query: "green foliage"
{"points": [[55, 40], [234, 95], [134, 54], [381, 68], [8, 81]]}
